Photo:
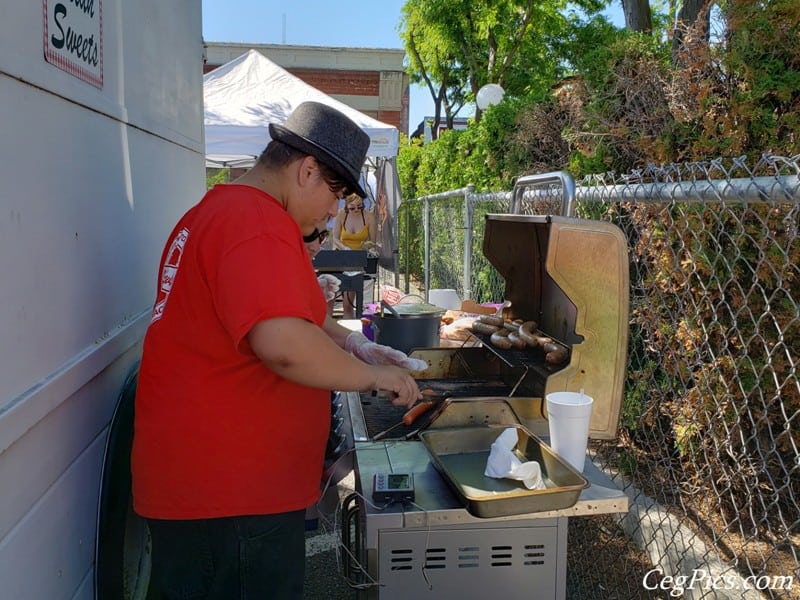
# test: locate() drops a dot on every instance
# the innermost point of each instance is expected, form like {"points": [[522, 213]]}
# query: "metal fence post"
{"points": [[426, 219], [397, 246], [468, 214], [408, 247]]}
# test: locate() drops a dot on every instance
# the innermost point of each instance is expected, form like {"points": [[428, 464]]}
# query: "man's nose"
{"points": [[333, 209]]}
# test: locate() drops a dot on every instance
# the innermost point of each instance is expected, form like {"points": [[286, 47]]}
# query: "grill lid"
{"points": [[571, 276]]}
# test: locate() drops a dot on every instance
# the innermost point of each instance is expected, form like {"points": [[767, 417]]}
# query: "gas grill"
{"points": [[571, 277], [467, 372]]}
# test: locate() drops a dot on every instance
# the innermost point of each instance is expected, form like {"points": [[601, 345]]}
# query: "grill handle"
{"points": [[352, 571], [562, 177]]}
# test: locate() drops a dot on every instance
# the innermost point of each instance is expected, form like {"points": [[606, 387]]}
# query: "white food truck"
{"points": [[101, 151]]}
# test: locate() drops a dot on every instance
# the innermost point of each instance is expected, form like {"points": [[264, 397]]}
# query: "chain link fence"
{"points": [[710, 426]]}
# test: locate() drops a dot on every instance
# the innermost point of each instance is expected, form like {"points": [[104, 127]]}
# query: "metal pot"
{"points": [[407, 326]]}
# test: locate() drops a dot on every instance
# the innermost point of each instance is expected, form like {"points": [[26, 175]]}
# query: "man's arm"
{"points": [[335, 331], [300, 351]]}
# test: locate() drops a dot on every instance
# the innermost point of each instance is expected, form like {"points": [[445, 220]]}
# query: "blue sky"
{"points": [[355, 23]]}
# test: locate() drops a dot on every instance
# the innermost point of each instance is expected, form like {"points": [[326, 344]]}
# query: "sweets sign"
{"points": [[73, 38]]}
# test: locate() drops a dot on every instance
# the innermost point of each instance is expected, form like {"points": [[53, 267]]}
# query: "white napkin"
{"points": [[503, 463]]}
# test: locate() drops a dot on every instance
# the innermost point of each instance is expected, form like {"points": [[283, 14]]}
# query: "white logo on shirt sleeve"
{"points": [[169, 270]]}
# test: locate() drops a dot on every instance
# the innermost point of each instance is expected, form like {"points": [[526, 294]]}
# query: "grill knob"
{"points": [[336, 409], [341, 447], [337, 443], [337, 424]]}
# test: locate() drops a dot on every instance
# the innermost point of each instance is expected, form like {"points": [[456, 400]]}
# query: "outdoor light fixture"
{"points": [[488, 95]]}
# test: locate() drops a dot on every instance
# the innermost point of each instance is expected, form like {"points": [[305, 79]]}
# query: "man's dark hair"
{"points": [[278, 155]]}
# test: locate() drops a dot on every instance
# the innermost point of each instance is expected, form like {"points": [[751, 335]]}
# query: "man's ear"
{"points": [[307, 170]]}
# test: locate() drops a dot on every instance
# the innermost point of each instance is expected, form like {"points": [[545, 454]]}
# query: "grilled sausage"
{"points": [[516, 341], [556, 357], [416, 411], [534, 340], [512, 325], [500, 339], [550, 347], [481, 327], [491, 320], [526, 332]]}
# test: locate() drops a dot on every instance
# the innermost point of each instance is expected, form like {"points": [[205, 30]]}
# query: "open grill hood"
{"points": [[571, 277]]}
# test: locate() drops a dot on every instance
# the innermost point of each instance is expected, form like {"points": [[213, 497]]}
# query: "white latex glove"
{"points": [[359, 346], [329, 284]]}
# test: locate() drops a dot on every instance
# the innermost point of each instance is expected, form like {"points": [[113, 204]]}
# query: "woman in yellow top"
{"points": [[354, 228]]}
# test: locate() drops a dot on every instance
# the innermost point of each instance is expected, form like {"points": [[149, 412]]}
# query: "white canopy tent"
{"points": [[246, 94], [243, 96]]}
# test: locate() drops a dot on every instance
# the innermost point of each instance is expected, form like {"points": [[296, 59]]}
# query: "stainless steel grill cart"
{"points": [[437, 548], [571, 277]]}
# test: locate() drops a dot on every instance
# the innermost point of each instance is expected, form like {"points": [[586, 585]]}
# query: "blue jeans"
{"points": [[232, 558]]}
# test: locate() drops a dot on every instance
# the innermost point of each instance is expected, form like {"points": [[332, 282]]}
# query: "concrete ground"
{"points": [[323, 573]]}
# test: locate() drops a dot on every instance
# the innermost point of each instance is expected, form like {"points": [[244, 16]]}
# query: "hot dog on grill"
{"points": [[416, 411]]}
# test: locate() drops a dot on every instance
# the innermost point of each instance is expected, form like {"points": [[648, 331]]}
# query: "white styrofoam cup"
{"points": [[568, 415]]}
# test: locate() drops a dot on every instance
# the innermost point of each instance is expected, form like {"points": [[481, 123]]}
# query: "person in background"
{"points": [[329, 284], [355, 228], [233, 404]]}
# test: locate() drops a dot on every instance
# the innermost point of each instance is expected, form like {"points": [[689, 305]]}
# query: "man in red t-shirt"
{"points": [[233, 404]]}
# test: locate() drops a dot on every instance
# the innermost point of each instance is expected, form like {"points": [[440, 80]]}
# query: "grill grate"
{"points": [[380, 414]]}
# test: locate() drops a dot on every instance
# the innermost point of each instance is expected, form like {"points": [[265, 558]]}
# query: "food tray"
{"points": [[460, 455]]}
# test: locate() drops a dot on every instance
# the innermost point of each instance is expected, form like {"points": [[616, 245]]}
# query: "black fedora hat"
{"points": [[329, 136]]}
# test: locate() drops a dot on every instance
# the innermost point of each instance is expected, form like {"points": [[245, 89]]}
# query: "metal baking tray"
{"points": [[460, 455]]}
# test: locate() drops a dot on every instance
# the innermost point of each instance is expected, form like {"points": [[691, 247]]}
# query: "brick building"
{"points": [[371, 80]]}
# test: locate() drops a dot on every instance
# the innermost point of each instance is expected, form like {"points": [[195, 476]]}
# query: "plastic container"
{"points": [[366, 326]]}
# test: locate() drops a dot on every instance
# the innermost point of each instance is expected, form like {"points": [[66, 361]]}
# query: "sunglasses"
{"points": [[316, 235], [355, 208]]}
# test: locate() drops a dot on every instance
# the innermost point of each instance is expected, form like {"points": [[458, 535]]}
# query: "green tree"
{"points": [[638, 16], [457, 46], [215, 176]]}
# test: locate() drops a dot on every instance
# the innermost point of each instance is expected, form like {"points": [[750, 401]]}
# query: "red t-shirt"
{"points": [[217, 433]]}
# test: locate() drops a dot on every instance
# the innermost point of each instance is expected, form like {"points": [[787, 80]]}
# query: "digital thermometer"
{"points": [[393, 487]]}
